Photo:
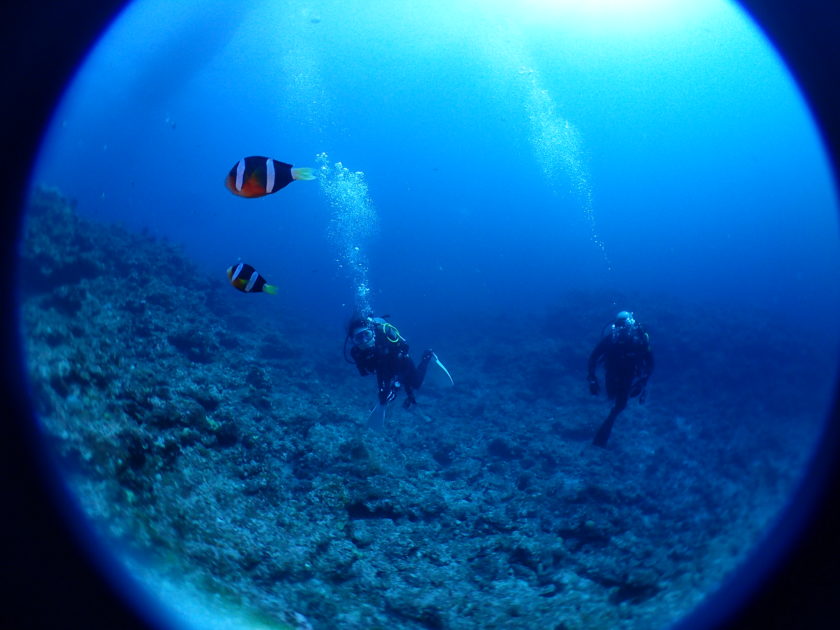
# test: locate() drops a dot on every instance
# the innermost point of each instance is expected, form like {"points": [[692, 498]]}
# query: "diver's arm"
{"points": [[596, 355], [409, 398], [360, 361], [647, 357], [647, 369], [647, 364]]}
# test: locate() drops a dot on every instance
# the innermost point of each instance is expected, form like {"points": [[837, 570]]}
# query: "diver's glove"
{"points": [[409, 400], [593, 386]]}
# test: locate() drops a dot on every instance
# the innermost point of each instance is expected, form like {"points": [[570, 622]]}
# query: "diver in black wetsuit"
{"points": [[378, 348], [628, 363]]}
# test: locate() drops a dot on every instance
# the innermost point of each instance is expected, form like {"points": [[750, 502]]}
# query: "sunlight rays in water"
{"points": [[556, 142], [558, 148]]}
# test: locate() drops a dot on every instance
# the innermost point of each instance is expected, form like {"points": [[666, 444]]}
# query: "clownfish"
{"points": [[258, 176], [245, 278]]}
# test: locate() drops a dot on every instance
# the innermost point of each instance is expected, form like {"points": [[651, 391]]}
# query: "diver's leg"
{"points": [[408, 373], [420, 371], [411, 379], [409, 397], [414, 375], [605, 429]]}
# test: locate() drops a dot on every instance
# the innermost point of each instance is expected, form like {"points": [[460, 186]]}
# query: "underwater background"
{"points": [[500, 179]]}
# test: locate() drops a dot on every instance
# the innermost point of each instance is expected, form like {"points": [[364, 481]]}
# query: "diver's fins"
{"points": [[447, 381], [604, 431], [376, 419]]}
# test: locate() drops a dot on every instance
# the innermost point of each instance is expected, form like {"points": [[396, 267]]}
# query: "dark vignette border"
{"points": [[52, 578]]}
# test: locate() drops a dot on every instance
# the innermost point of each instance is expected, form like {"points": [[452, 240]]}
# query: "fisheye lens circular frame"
{"points": [[55, 576]]}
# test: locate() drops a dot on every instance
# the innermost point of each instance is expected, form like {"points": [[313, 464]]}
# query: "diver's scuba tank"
{"points": [[630, 331], [388, 329]]}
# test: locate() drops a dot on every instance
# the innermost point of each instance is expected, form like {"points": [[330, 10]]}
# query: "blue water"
{"points": [[509, 153]]}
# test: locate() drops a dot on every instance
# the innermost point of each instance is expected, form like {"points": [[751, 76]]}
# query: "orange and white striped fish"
{"points": [[245, 278], [258, 176]]}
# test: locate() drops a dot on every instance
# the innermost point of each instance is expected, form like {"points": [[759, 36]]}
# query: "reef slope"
{"points": [[223, 447]]}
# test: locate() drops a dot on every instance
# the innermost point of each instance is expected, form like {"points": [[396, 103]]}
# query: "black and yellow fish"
{"points": [[245, 278], [258, 176]]}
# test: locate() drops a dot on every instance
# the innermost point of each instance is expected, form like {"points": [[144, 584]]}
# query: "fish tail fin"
{"points": [[303, 172], [270, 289]]}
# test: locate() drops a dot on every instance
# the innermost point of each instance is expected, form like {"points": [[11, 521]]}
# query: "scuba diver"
{"points": [[378, 348], [628, 362]]}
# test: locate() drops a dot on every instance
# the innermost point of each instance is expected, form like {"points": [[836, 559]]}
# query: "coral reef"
{"points": [[231, 451]]}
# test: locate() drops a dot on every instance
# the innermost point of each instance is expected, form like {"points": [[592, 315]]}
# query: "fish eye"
{"points": [[182, 455]]}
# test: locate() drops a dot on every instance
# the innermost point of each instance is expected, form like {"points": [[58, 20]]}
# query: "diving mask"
{"points": [[363, 337]]}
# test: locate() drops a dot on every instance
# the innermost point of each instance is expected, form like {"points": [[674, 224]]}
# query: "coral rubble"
{"points": [[231, 451]]}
